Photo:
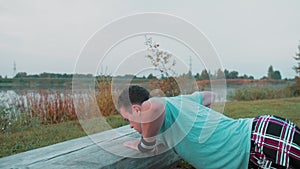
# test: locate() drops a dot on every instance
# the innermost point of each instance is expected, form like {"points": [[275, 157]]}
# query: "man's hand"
{"points": [[133, 144]]}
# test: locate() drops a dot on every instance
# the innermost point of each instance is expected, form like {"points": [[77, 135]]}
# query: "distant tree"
{"points": [[270, 72], [273, 74], [220, 74], [233, 75], [33, 76], [21, 75], [65, 75], [139, 77], [0, 77], [263, 78], [204, 75], [297, 58], [45, 75], [276, 75], [150, 76], [197, 76], [226, 72], [295, 88], [244, 77]]}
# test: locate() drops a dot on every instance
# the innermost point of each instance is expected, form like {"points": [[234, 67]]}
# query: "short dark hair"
{"points": [[134, 94]]}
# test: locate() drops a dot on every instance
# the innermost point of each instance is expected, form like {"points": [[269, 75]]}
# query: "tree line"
{"points": [[219, 74], [50, 75], [203, 75]]}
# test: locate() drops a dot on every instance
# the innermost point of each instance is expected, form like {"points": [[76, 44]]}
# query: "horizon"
{"points": [[240, 76]]}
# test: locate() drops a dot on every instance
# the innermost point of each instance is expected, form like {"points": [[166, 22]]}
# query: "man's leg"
{"points": [[275, 143]]}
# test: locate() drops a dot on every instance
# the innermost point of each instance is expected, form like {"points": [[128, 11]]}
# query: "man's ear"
{"points": [[136, 107]]}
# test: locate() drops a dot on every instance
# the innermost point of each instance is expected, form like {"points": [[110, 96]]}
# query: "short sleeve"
{"points": [[197, 97]]}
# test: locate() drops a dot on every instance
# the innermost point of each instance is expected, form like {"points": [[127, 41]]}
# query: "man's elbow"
{"points": [[208, 98]]}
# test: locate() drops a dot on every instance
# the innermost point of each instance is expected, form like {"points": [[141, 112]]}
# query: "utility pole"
{"points": [[14, 69], [190, 68]]}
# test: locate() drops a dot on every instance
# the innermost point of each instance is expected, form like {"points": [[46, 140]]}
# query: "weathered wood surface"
{"points": [[89, 152]]}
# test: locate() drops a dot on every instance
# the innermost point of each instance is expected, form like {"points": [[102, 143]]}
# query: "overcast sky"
{"points": [[249, 36]]}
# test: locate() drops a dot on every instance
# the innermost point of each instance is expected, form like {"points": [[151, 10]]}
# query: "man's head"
{"points": [[129, 104], [134, 95]]}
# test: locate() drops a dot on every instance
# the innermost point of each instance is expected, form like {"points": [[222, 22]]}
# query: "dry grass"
{"points": [[104, 96], [33, 109], [49, 107]]}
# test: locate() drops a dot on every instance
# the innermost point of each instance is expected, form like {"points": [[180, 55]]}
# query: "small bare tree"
{"points": [[161, 60], [164, 63]]}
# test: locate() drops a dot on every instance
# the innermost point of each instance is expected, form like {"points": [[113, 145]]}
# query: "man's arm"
{"points": [[152, 117]]}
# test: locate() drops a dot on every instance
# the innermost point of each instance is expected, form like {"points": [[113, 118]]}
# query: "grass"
{"points": [[285, 107], [260, 93], [43, 135]]}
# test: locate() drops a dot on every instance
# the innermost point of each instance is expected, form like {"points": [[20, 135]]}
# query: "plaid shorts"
{"points": [[275, 143]]}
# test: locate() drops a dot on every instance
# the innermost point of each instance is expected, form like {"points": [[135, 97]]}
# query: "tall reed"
{"points": [[50, 107], [104, 96], [30, 109]]}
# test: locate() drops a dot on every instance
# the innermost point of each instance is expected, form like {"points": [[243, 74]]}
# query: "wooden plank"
{"points": [[93, 151]]}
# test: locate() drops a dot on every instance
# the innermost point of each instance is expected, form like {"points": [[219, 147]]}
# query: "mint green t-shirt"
{"points": [[204, 137]]}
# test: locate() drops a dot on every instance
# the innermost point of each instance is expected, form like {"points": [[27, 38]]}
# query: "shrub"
{"points": [[168, 86], [246, 94], [295, 88], [174, 86]]}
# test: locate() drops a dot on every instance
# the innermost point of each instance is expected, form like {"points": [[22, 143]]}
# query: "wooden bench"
{"points": [[89, 152]]}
